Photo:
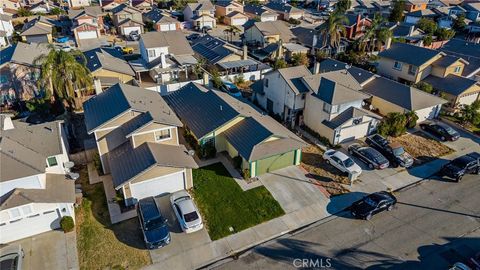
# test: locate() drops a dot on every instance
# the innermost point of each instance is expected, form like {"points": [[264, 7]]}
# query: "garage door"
{"points": [[275, 163], [87, 34], [168, 27], [469, 99], [208, 24], [239, 21], [37, 39], [427, 113], [165, 184], [127, 30], [353, 132], [28, 226]]}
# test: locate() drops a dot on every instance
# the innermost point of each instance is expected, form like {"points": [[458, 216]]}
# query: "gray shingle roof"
{"points": [[23, 53], [466, 50], [94, 11], [200, 119], [109, 59], [121, 98], [282, 7], [275, 28], [126, 162], [348, 114], [451, 84], [201, 5], [156, 15], [175, 41], [360, 75], [446, 61], [292, 76], [409, 54], [335, 93]]}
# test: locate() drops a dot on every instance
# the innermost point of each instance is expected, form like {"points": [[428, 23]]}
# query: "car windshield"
{"points": [[398, 151], [348, 162], [370, 201], [460, 162], [190, 216], [155, 223], [450, 130]]}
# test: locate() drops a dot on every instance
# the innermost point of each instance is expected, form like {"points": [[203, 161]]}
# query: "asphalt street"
{"points": [[434, 225]]}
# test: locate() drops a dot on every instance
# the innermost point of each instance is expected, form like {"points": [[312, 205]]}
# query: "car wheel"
{"points": [[350, 152], [328, 161], [478, 171], [459, 178], [370, 165], [368, 217], [390, 208], [422, 127], [442, 138]]}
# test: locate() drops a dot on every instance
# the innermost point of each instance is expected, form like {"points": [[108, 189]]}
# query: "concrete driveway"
{"points": [[181, 242], [51, 250], [292, 189]]}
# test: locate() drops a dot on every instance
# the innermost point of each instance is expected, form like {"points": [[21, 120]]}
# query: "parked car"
{"points": [[341, 161], [127, 50], [466, 164], [373, 204], [459, 266], [206, 29], [394, 152], [134, 35], [193, 36], [441, 130], [372, 157], [154, 225], [11, 258], [61, 39], [230, 88], [474, 262], [186, 212]]}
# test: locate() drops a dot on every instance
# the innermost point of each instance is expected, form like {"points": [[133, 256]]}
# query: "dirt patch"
{"points": [[422, 148], [325, 174]]}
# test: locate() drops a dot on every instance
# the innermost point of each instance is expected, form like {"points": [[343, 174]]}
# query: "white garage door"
{"points": [[127, 30], [467, 100], [353, 132], [28, 226], [239, 21], [165, 184], [168, 27], [87, 34], [427, 113], [210, 23]]}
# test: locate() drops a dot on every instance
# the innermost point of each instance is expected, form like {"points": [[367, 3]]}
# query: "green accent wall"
{"points": [[275, 162]]}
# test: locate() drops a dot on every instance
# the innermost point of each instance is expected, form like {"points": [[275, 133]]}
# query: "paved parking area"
{"points": [[181, 242]]}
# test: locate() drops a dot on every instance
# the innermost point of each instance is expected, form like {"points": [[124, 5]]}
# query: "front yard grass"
{"points": [[422, 148], [102, 245], [223, 204]]}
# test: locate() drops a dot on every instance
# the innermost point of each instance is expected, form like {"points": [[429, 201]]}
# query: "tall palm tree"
{"points": [[231, 31], [63, 73], [333, 29], [375, 34]]}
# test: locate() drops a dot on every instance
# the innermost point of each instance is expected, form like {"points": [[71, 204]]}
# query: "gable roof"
{"points": [[23, 53], [409, 54], [282, 7], [37, 26], [204, 5], [275, 28], [334, 93], [93, 11], [109, 59], [156, 15], [360, 75], [452, 84], [293, 75], [175, 41], [467, 50], [121, 98], [125, 8], [346, 115], [211, 48], [257, 10]]}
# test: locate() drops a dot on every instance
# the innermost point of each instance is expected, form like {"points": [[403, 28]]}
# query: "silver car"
{"points": [[11, 258], [342, 162], [186, 211]]}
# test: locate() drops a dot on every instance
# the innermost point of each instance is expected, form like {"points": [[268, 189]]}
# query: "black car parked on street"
{"points": [[457, 168], [373, 204], [440, 130], [154, 225], [373, 158], [394, 152]]}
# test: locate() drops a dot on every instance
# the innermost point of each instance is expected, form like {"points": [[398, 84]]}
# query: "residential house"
{"points": [[468, 51], [73, 4], [10, 7], [265, 33], [412, 64], [414, 16], [161, 21], [143, 5], [34, 194], [415, 5], [259, 13], [108, 67], [472, 11], [372, 7], [38, 30], [356, 25], [137, 139], [42, 7], [219, 120], [285, 11], [231, 12], [109, 5], [312, 39], [6, 29], [127, 19], [447, 14], [165, 56], [200, 14], [87, 23], [410, 32], [19, 72]]}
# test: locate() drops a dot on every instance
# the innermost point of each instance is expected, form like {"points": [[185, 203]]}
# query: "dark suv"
{"points": [[457, 168], [394, 152], [154, 225]]}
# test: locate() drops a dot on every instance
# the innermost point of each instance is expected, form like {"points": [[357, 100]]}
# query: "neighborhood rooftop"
{"points": [[409, 54]]}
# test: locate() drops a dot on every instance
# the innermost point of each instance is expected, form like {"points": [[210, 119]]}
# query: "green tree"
{"points": [[428, 40], [397, 12], [375, 35], [23, 12], [63, 73], [56, 11], [444, 34], [299, 59], [426, 87], [279, 64], [459, 23], [412, 119], [393, 124], [343, 5], [320, 55], [333, 29], [470, 114], [216, 80], [427, 25], [198, 68]]}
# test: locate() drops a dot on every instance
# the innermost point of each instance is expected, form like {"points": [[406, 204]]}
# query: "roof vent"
{"points": [[7, 123], [221, 108]]}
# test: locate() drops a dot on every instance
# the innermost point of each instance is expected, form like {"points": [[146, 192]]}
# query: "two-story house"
{"points": [[415, 5], [356, 25], [87, 23], [6, 29], [138, 142], [38, 30], [285, 11], [165, 56], [72, 4], [161, 21], [231, 12], [200, 14], [127, 19], [472, 11], [259, 13], [414, 16], [265, 33], [34, 193]]}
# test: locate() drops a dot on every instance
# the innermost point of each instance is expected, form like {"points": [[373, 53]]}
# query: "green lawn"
{"points": [[224, 204]]}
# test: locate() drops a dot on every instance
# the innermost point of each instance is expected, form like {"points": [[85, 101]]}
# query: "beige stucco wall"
{"points": [[155, 172], [150, 137], [107, 73], [385, 67], [385, 107]]}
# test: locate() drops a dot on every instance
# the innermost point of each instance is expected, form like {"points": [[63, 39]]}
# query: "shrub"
{"points": [[426, 87], [294, 21], [394, 124], [246, 174], [97, 163], [412, 119], [66, 223], [207, 151], [190, 139]]}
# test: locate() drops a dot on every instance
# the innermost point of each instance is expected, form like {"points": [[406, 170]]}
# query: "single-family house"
{"points": [[6, 29], [41, 7], [355, 25], [127, 19], [409, 32], [10, 7], [72, 4], [217, 119], [259, 13], [37, 30], [87, 23], [231, 12], [34, 193], [469, 51], [265, 33], [285, 11], [312, 39], [109, 5], [371, 7], [200, 14], [414, 16], [472, 11], [414, 5], [143, 5], [137, 139], [161, 21]]}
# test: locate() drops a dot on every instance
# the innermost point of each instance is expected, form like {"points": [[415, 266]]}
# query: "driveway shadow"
{"points": [[339, 203], [427, 169]]}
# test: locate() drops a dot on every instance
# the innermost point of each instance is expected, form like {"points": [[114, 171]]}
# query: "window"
{"points": [[162, 135], [457, 69], [412, 70], [303, 96], [266, 82], [329, 108], [151, 53], [14, 213], [27, 210], [52, 161], [397, 65]]}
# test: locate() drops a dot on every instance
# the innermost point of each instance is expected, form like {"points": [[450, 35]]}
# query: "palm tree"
{"points": [[375, 34], [333, 29], [232, 30], [63, 73]]}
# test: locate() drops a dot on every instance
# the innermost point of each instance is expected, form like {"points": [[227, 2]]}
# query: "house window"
{"points": [[329, 108], [162, 135], [412, 70], [27, 210], [397, 65], [14, 213], [457, 69], [151, 53], [303, 96], [52, 161], [266, 82]]}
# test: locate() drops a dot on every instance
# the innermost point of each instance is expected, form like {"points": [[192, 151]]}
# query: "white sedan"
{"points": [[186, 212], [342, 162]]}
